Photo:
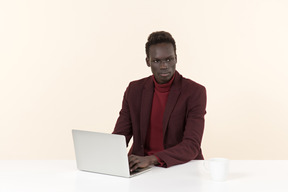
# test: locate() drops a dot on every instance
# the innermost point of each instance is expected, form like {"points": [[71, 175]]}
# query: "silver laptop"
{"points": [[102, 153]]}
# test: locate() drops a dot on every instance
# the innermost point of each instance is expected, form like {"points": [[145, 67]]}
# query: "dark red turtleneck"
{"points": [[154, 139]]}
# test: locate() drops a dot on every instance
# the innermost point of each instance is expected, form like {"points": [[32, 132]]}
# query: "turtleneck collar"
{"points": [[163, 87]]}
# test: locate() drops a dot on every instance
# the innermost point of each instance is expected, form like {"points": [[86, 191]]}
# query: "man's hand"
{"points": [[141, 162]]}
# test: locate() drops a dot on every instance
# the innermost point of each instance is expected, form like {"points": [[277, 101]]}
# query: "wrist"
{"points": [[153, 160]]}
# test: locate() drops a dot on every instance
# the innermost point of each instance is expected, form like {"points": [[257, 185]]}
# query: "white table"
{"points": [[54, 176]]}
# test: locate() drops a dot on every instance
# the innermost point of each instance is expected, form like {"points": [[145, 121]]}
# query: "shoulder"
{"points": [[140, 84], [186, 84], [193, 91], [137, 86]]}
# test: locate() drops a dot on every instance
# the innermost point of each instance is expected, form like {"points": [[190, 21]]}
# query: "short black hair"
{"points": [[159, 37]]}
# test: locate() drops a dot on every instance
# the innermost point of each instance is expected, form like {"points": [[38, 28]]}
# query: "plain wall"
{"points": [[66, 64]]}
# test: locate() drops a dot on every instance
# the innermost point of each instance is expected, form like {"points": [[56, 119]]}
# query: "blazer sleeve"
{"points": [[123, 124], [190, 146]]}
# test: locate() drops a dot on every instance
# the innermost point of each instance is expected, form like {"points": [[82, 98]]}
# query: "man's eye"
{"points": [[168, 60], [155, 61]]}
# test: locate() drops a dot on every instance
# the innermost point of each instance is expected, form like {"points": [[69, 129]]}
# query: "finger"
{"points": [[133, 161], [131, 158], [134, 167]]}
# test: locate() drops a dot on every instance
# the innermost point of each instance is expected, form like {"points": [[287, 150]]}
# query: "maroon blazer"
{"points": [[183, 121]]}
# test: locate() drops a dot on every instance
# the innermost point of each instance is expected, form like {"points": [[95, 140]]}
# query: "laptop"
{"points": [[102, 153]]}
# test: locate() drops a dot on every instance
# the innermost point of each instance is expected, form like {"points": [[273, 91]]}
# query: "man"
{"points": [[164, 112]]}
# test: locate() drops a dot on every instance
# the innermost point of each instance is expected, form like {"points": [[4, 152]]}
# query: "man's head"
{"points": [[161, 56]]}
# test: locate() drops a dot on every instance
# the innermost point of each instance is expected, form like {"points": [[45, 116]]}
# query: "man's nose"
{"points": [[163, 65]]}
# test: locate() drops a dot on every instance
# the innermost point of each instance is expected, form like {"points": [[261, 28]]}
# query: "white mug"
{"points": [[218, 168]]}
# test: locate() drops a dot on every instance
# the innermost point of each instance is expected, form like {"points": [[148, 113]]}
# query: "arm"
{"points": [[189, 147], [124, 125]]}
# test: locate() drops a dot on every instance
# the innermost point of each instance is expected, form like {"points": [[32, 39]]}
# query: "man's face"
{"points": [[162, 60]]}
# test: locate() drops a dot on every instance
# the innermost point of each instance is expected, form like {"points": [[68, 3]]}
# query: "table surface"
{"points": [[62, 175]]}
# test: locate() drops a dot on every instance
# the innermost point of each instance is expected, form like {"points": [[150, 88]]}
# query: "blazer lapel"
{"points": [[146, 105], [172, 100]]}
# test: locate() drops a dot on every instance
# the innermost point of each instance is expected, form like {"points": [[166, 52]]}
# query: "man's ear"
{"points": [[147, 62]]}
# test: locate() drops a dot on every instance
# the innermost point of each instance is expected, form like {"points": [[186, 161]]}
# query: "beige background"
{"points": [[66, 64]]}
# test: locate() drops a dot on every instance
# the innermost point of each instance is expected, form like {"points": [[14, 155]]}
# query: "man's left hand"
{"points": [[141, 161]]}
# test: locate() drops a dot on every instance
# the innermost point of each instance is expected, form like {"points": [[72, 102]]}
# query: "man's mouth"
{"points": [[164, 74]]}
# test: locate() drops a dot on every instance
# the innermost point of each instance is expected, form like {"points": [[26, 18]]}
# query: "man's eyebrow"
{"points": [[170, 56]]}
